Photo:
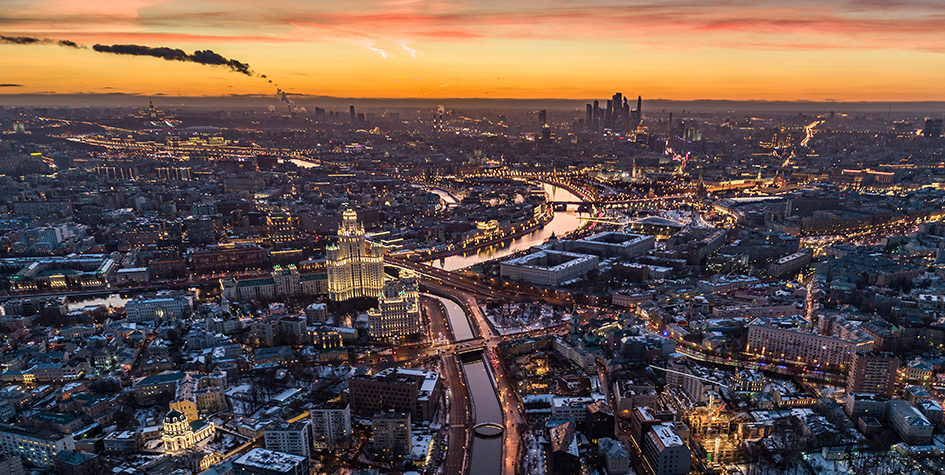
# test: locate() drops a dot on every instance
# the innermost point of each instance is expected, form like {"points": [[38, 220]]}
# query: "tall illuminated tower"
{"points": [[355, 265]]}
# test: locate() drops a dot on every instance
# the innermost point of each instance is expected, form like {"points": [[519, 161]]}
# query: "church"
{"points": [[181, 434]]}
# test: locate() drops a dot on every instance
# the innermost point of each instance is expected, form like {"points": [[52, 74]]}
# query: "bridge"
{"points": [[468, 346], [488, 430], [628, 203]]}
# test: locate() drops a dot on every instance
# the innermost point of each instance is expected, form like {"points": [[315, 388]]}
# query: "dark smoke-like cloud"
{"points": [[30, 40], [284, 97], [173, 54], [11, 85], [23, 40]]}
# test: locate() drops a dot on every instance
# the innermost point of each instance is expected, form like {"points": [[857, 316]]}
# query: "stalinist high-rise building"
{"points": [[355, 265]]}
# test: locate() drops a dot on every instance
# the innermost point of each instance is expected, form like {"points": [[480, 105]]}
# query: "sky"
{"points": [[847, 50]]}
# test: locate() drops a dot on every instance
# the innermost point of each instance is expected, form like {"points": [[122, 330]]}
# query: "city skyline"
{"points": [[844, 51]]}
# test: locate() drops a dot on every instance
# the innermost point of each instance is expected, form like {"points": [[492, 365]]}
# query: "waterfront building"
{"points": [[399, 313]]}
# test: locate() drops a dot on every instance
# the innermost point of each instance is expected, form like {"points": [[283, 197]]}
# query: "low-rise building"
{"points": [[909, 422], [164, 305], [150, 389], [270, 462], [616, 458], [549, 267]]}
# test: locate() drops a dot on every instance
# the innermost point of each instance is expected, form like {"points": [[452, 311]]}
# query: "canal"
{"points": [[485, 453], [111, 298], [459, 324], [563, 223]]}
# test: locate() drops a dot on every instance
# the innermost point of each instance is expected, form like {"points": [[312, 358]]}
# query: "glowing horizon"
{"points": [[854, 50]]}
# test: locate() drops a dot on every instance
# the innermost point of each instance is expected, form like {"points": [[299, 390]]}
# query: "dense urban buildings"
{"points": [[472, 288]]}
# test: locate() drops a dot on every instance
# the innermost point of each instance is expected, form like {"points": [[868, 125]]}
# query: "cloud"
{"points": [[11, 85], [207, 57], [369, 45], [665, 24], [22, 40], [413, 52]]}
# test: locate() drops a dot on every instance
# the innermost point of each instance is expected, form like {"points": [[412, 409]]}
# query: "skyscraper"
{"points": [[609, 115], [355, 265], [638, 113], [625, 117], [542, 118], [596, 116], [354, 116], [589, 118], [616, 121]]}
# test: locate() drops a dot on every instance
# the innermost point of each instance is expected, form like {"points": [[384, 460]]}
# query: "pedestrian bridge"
{"points": [[488, 430]]}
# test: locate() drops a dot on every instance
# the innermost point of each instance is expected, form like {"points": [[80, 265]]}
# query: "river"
{"points": [[202, 293], [485, 454], [563, 223]]}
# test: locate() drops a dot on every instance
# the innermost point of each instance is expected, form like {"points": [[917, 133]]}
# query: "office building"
{"points": [[37, 447], [665, 450], [392, 434], [270, 462], [399, 313], [872, 373], [599, 421], [331, 425], [290, 437], [231, 258], [412, 390], [13, 465], [355, 265]]}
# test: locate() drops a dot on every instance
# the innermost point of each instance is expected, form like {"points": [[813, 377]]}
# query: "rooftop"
{"points": [[270, 460], [667, 435], [161, 379]]}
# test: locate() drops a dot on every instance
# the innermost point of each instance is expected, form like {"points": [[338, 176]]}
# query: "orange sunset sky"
{"points": [[856, 50]]}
